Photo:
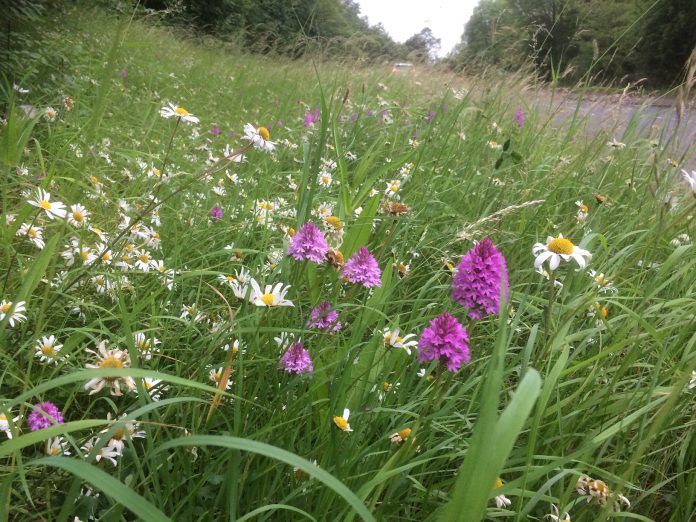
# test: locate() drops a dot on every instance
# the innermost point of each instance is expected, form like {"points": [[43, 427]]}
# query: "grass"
{"points": [[551, 392]]}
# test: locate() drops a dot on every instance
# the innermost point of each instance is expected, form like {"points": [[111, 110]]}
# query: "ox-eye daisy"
{"points": [[48, 349], [259, 138], [16, 316], [557, 249], [5, 424], [43, 201], [109, 359], [57, 446], [77, 216], [342, 421], [392, 339], [270, 296], [33, 234], [173, 111], [501, 501]]}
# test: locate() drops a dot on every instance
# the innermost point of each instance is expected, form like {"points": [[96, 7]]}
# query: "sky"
{"points": [[404, 18]]}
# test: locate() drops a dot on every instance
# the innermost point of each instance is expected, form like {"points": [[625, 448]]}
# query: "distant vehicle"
{"points": [[400, 68]]}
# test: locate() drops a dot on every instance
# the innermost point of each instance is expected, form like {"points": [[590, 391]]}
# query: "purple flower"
{"points": [[519, 118], [362, 268], [215, 131], [323, 317], [216, 213], [46, 414], [354, 117], [369, 113], [311, 118], [296, 360], [445, 340], [308, 243], [279, 123], [123, 72], [476, 285], [430, 117]]}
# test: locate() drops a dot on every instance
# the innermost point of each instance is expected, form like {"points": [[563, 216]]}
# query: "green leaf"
{"points": [[108, 485], [275, 453]]}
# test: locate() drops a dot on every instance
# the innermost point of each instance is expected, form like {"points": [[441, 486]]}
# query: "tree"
{"points": [[423, 46]]}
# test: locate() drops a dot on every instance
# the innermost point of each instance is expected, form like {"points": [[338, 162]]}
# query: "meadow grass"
{"points": [[588, 378]]}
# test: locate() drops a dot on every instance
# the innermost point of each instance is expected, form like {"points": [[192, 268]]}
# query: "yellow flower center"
{"points": [[267, 299], [55, 450], [386, 386], [111, 362], [601, 281], [94, 179], [229, 278], [48, 350], [498, 483], [603, 311], [561, 245], [263, 132], [291, 232], [334, 222], [584, 208], [118, 435], [325, 180], [5, 308], [78, 216], [181, 111], [148, 385], [394, 187], [405, 433], [45, 204], [341, 423], [144, 258], [84, 254], [106, 256], [31, 233]]}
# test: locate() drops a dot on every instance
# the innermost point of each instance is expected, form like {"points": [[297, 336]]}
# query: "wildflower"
{"points": [[363, 269], [445, 340], [342, 421], [126, 428], [603, 284], [519, 118], [400, 436], [216, 213], [110, 453], [216, 376], [556, 516], [78, 215], [583, 212], [259, 138], [335, 226], [392, 339], [311, 118], [48, 349], [690, 179], [43, 201], [597, 491], [494, 145], [501, 501], [335, 258], [114, 358], [16, 316], [44, 415], [153, 388], [57, 446], [392, 188], [478, 280], [68, 103], [325, 179], [191, 312], [145, 345], [309, 244], [323, 317], [692, 381], [5, 424], [395, 208], [143, 258], [177, 112], [556, 249], [50, 113], [271, 295], [296, 360]]}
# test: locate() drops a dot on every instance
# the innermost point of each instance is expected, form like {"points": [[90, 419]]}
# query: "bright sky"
{"points": [[404, 18]]}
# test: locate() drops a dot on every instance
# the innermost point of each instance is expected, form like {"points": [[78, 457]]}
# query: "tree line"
{"points": [[600, 41]]}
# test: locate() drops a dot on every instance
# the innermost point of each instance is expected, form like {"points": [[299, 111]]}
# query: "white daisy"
{"points": [[501, 501], [33, 234], [48, 349], [271, 295], [50, 113], [16, 315], [259, 138], [153, 388], [5, 424], [43, 201], [143, 258], [342, 421], [57, 446], [393, 340], [145, 345], [216, 375], [557, 249], [114, 358], [77, 216], [110, 453], [173, 111], [392, 188], [325, 179]]}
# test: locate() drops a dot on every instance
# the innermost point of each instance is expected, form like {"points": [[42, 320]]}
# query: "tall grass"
{"points": [[553, 391]]}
